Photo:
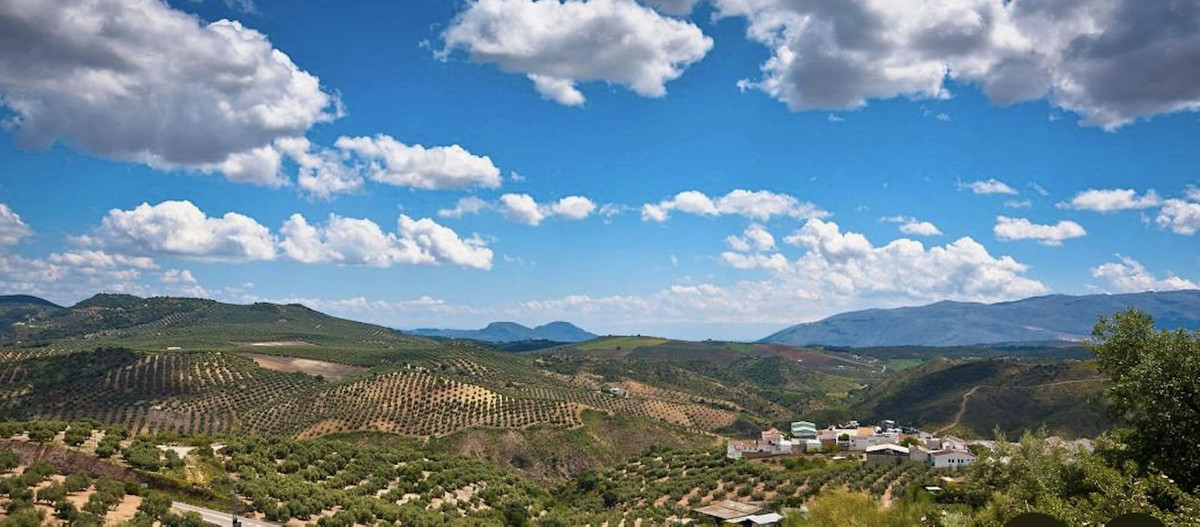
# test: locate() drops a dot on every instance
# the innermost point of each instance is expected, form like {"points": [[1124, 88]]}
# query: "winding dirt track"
{"points": [[962, 405]]}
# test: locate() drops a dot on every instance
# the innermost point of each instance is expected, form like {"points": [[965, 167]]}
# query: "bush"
{"points": [[155, 505], [52, 493], [66, 511], [25, 518], [77, 482], [76, 435], [9, 460]]}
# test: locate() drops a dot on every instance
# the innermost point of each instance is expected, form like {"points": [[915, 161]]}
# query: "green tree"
{"points": [[52, 493], [77, 482], [1155, 388], [155, 505], [515, 515], [189, 519], [66, 511], [9, 460], [24, 518]]}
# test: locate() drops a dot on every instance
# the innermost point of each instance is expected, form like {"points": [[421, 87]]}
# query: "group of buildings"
{"points": [[883, 443]]}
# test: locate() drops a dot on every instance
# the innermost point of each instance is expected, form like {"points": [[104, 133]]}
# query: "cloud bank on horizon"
{"points": [[189, 148]]}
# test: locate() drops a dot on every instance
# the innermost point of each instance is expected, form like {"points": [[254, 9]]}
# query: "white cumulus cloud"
{"points": [[561, 43], [761, 205], [673, 7], [573, 207], [1130, 276], [837, 271], [988, 186], [754, 238], [360, 241], [441, 167], [1111, 200], [1181, 216], [913, 226], [522, 208], [1110, 61], [1011, 229], [136, 80], [12, 229], [464, 206], [180, 228]]}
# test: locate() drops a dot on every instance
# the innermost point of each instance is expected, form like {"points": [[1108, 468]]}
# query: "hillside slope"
{"points": [[191, 324], [512, 332], [16, 311], [971, 398], [1044, 318]]}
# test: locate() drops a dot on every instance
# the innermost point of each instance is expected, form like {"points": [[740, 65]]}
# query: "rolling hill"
{"points": [[191, 324], [17, 310], [1043, 318], [191, 366], [972, 398], [512, 332], [179, 365]]}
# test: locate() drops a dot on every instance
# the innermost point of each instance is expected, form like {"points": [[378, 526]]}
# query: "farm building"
{"points": [[952, 458], [946, 443], [771, 444], [737, 513], [919, 454], [886, 454]]}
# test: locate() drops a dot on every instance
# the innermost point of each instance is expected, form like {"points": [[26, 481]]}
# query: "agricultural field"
{"points": [[336, 482], [197, 367], [317, 368], [666, 482]]}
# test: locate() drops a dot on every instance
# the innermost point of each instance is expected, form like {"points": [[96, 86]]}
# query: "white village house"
{"points": [[951, 458]]}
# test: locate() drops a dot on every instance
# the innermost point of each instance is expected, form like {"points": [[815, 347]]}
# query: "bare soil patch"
{"points": [[276, 344], [329, 370]]}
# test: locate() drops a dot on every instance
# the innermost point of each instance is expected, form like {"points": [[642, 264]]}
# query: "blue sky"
{"points": [[848, 156]]}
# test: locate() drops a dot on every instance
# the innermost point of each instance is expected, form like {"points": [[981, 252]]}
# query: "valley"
{"points": [[631, 425]]}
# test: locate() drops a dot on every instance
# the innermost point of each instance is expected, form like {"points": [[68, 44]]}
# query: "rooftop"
{"points": [[729, 509], [888, 447]]}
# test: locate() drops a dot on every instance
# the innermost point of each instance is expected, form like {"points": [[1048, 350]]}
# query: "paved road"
{"points": [[220, 518]]}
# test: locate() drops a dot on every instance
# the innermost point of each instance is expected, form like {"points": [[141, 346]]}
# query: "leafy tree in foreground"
{"points": [[1155, 388], [1076, 487]]}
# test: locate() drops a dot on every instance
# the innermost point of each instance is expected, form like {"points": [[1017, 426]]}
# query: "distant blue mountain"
{"points": [[1043, 318], [512, 332]]}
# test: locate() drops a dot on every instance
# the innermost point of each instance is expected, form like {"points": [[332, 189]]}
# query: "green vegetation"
{"points": [[618, 343], [160, 323], [447, 432], [1014, 395], [1155, 388]]}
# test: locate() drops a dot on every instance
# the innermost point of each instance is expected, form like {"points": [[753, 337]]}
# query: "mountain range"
{"points": [[1042, 318], [512, 332]]}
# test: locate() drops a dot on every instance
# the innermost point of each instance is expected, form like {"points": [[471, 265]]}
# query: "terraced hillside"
{"points": [[419, 394], [169, 365], [336, 482]]}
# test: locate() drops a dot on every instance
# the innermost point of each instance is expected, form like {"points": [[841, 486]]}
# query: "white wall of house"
{"points": [[952, 459]]}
